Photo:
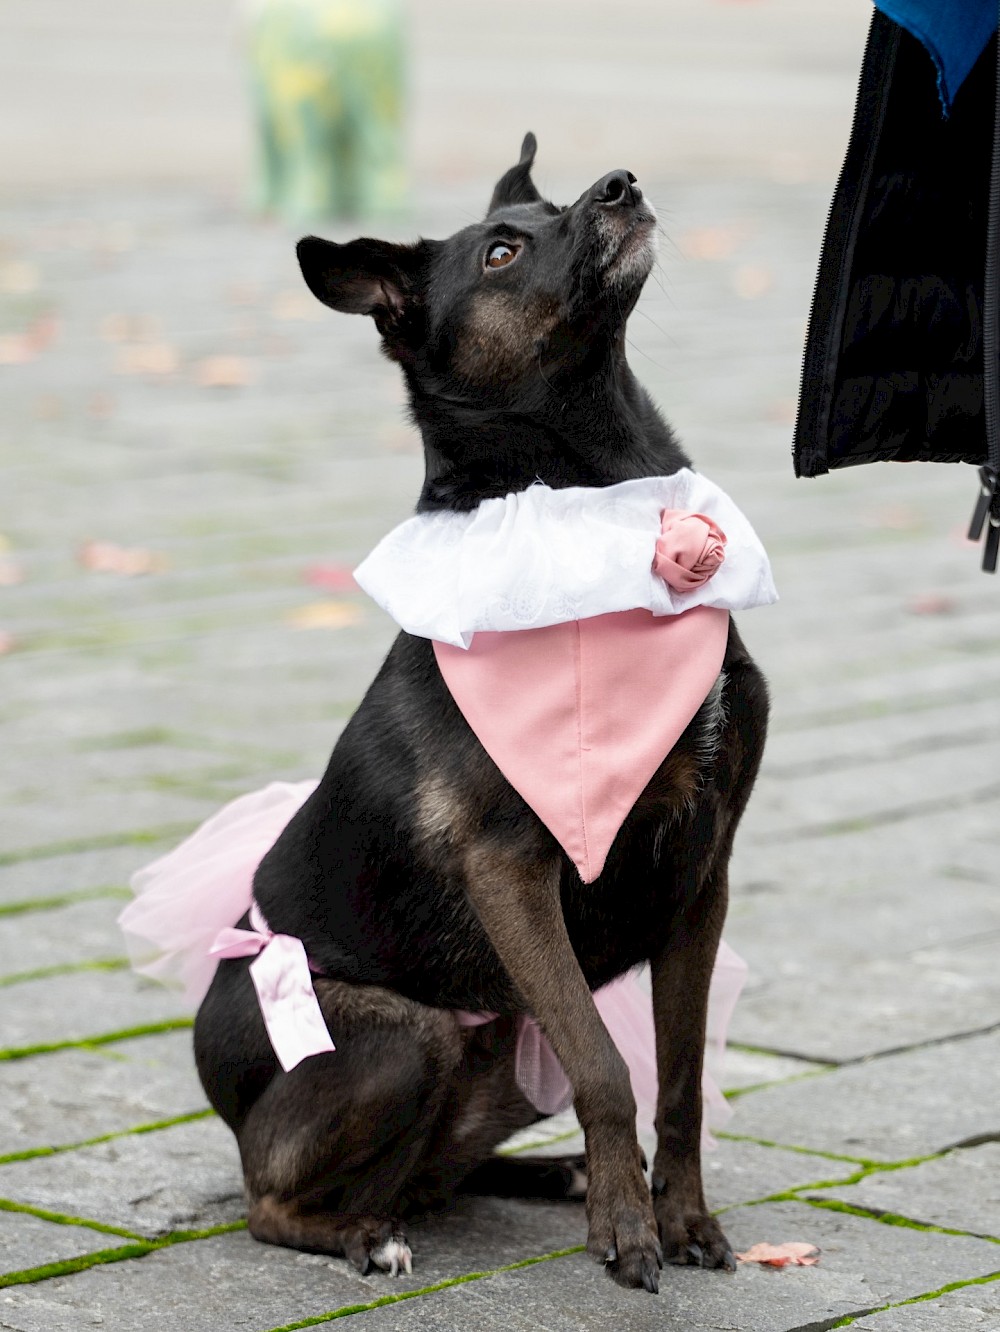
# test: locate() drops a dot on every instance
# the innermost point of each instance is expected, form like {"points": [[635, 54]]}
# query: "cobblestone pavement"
{"points": [[864, 1075]]}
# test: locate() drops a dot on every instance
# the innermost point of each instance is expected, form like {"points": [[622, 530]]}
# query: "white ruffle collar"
{"points": [[542, 556]]}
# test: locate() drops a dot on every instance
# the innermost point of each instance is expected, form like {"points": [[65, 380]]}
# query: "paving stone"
{"points": [[73, 1095], [922, 967], [226, 1284], [861, 935], [889, 1109], [960, 1191], [103, 812], [972, 1309], [733, 1171], [27, 1241], [75, 1007], [185, 1177], [862, 1264], [232, 1282], [81, 932], [746, 1068], [56, 875]]}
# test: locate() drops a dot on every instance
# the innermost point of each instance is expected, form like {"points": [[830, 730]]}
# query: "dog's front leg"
{"points": [[681, 973], [518, 904]]}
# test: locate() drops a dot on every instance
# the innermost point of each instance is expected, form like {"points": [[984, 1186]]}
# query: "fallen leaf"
{"points": [[794, 1253], [295, 305], [101, 405], [49, 407], [243, 293], [19, 348], [129, 328], [324, 615], [223, 372], [106, 557], [710, 242], [899, 517], [751, 281], [932, 603], [782, 410], [147, 358], [336, 577], [17, 277], [117, 238]]}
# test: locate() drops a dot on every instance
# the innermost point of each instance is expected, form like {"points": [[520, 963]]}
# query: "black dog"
{"points": [[418, 879]]}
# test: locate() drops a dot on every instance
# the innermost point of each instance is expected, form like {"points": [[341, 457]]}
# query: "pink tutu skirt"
{"points": [[186, 897]]}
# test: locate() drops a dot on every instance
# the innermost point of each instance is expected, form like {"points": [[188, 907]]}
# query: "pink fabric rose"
{"points": [[689, 549]]}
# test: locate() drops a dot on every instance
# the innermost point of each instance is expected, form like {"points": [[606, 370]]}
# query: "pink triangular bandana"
{"points": [[578, 716]]}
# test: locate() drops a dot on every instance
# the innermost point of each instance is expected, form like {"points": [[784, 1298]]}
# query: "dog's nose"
{"points": [[617, 190]]}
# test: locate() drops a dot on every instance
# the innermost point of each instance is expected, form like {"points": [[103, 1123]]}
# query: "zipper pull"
{"points": [[987, 507]]}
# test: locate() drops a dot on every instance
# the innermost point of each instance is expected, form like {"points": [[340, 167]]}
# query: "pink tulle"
{"points": [[186, 897]]}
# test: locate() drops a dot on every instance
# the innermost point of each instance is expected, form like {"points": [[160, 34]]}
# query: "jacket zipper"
{"points": [[987, 510]]}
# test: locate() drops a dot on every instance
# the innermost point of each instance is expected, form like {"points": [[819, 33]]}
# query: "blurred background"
{"points": [[195, 453]]}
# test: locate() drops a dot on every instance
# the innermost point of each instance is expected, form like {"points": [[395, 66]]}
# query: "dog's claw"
{"points": [[696, 1255], [650, 1279], [611, 1256]]}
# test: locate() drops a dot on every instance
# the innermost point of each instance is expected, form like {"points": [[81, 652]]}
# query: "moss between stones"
{"points": [[65, 969], [890, 1218], [383, 1300], [849, 1319], [91, 1042], [30, 1153], [139, 1249], [53, 903], [101, 842]]}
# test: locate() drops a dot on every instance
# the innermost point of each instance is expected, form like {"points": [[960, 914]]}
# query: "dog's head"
{"points": [[532, 296]]}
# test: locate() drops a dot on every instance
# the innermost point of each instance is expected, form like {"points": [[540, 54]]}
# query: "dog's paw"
{"points": [[629, 1249], [692, 1239], [371, 1244], [394, 1256]]}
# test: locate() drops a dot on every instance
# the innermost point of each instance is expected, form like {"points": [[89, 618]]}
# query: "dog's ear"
{"points": [[516, 186], [365, 276]]}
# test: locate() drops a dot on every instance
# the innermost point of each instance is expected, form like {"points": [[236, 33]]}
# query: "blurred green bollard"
{"points": [[327, 84]]}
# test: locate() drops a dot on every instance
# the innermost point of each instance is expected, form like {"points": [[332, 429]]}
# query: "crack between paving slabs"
{"points": [[140, 1248], [154, 1126], [65, 969], [348, 1310], [932, 744], [829, 1065], [872, 709], [56, 901], [164, 832], [899, 814], [97, 1040], [846, 1320]]}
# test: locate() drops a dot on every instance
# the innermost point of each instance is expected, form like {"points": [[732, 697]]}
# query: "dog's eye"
{"points": [[500, 254]]}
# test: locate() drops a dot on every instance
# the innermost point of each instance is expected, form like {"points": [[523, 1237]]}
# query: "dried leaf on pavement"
{"points": [[107, 557], [19, 348], [794, 1253], [336, 577], [324, 615], [147, 358], [223, 372]]}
